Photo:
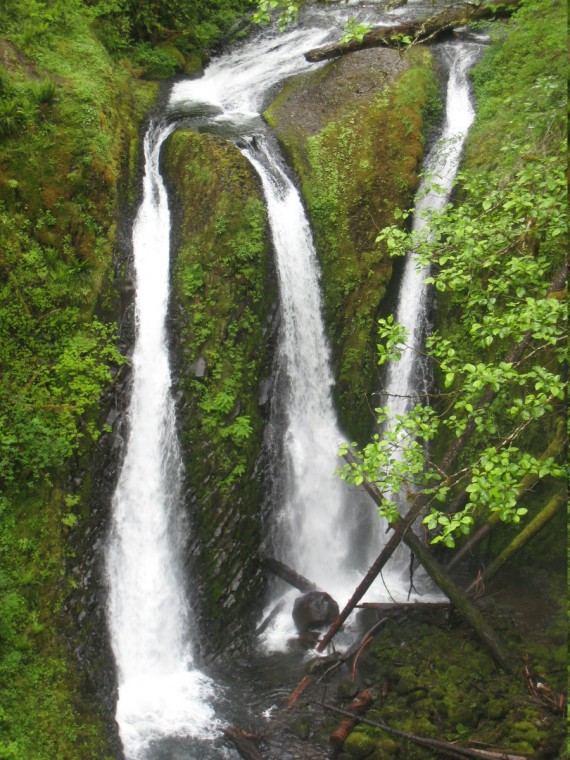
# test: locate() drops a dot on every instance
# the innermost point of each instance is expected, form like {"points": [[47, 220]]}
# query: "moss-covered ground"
{"points": [[222, 296], [431, 679], [354, 131]]}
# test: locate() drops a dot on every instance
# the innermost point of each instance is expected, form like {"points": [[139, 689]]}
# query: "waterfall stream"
{"points": [[406, 380], [405, 377], [161, 693]]}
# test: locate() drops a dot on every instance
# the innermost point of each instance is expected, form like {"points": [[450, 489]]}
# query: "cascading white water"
{"points": [[405, 381], [159, 691], [440, 169], [313, 524], [313, 529]]}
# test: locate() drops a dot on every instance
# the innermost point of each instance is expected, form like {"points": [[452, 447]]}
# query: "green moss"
{"points": [[357, 162], [222, 295], [63, 176], [439, 684]]}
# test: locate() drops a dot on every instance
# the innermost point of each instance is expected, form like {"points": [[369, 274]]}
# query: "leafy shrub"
{"points": [[12, 116], [158, 63], [115, 32], [44, 92]]}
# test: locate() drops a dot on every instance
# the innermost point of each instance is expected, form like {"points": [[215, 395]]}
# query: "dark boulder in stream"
{"points": [[314, 609]]}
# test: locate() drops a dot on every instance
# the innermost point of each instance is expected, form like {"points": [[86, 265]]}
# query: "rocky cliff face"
{"points": [[222, 324]]}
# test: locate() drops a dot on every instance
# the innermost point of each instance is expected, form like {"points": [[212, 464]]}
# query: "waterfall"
{"points": [[314, 526], [314, 523], [159, 691]]}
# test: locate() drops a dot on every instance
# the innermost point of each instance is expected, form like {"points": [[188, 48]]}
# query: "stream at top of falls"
{"points": [[167, 707]]}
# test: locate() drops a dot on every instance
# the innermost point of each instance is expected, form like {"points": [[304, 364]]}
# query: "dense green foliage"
{"points": [[501, 352], [159, 39], [166, 38]]}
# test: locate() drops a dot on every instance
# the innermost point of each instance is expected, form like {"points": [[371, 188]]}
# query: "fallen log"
{"points": [[403, 532], [244, 743], [358, 707], [269, 619], [466, 608], [445, 748], [386, 606], [287, 574], [417, 30]]}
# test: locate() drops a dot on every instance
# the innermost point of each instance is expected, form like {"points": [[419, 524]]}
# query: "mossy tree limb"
{"points": [[419, 30], [529, 531]]}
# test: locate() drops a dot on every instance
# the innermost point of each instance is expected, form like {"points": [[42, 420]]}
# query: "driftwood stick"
{"points": [[357, 707], [290, 576], [301, 687], [417, 30], [451, 750], [244, 743]]}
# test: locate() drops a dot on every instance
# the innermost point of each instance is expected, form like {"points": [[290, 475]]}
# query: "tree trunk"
{"points": [[522, 538], [418, 30], [289, 575]]}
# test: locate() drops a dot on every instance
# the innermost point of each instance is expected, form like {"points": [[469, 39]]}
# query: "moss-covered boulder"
{"points": [[222, 296], [354, 133]]}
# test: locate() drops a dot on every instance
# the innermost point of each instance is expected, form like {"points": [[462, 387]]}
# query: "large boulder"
{"points": [[313, 610]]}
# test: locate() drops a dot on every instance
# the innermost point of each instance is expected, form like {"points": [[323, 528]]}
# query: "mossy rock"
{"points": [[354, 133], [222, 295]]}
